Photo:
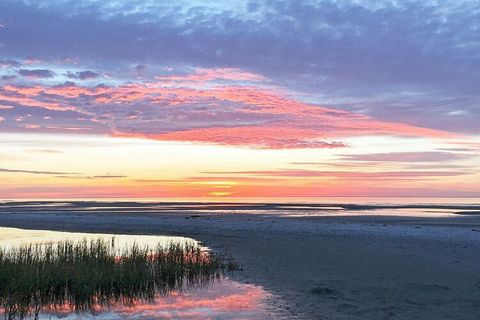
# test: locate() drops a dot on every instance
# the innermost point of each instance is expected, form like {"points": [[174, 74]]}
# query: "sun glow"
{"points": [[75, 166], [220, 194]]}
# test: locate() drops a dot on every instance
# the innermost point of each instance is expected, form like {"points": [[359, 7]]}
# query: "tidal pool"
{"points": [[104, 276]]}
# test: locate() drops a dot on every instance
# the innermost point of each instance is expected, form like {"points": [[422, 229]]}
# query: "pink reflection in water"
{"points": [[224, 299]]}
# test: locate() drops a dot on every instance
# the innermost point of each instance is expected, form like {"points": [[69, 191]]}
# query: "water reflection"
{"points": [[135, 284], [13, 237], [225, 299]]}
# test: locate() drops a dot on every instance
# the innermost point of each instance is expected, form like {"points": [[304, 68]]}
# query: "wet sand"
{"points": [[326, 267]]}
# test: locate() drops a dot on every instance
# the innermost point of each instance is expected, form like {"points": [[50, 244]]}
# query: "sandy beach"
{"points": [[362, 266]]}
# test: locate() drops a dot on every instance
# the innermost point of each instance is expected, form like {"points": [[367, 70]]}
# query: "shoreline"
{"points": [[374, 267]]}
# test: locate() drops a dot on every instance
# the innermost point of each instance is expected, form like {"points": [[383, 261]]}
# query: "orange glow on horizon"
{"points": [[72, 166]]}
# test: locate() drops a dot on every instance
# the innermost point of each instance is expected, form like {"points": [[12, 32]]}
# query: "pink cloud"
{"points": [[28, 96], [269, 137], [201, 75], [31, 61], [196, 108], [31, 126]]}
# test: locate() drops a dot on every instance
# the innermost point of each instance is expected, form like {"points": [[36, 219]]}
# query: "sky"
{"points": [[304, 98]]}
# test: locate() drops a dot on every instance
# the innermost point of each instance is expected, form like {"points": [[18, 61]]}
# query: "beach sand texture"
{"points": [[364, 266]]}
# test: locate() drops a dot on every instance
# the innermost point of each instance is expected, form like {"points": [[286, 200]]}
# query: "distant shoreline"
{"points": [[254, 205]]}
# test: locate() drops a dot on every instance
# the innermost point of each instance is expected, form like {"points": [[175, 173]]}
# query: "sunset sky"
{"points": [[144, 98]]}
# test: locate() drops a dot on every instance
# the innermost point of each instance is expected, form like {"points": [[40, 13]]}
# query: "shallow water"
{"points": [[13, 237], [225, 299], [410, 207], [221, 299]]}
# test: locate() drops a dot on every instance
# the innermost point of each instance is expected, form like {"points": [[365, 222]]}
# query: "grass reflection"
{"points": [[88, 276]]}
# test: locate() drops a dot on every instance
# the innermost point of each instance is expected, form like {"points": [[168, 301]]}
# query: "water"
{"points": [[13, 237], [228, 300], [292, 207], [221, 299]]}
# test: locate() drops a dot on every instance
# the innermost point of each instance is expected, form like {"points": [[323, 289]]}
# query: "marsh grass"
{"points": [[88, 276]]}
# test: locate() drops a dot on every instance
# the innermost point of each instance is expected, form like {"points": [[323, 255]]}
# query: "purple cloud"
{"points": [[8, 77], [140, 68], [83, 75], [36, 73], [431, 156], [9, 64]]}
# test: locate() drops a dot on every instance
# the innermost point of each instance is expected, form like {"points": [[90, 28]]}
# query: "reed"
{"points": [[87, 276]]}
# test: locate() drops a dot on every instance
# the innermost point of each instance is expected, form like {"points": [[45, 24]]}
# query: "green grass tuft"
{"points": [[87, 276]]}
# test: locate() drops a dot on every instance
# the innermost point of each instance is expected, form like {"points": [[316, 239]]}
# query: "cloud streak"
{"points": [[37, 172], [428, 156], [300, 173]]}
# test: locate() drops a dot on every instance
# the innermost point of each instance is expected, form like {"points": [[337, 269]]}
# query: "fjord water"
{"points": [[220, 298]]}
